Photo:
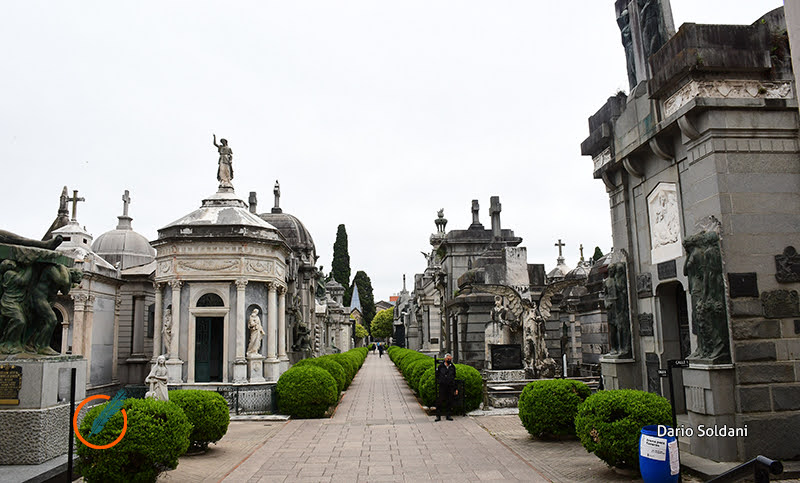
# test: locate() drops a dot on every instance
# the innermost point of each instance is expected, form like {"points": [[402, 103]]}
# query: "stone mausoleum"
{"points": [[700, 162]]}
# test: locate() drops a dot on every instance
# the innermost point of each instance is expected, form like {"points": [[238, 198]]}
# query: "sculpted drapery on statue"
{"points": [[225, 169], [256, 333], [616, 303], [30, 278], [157, 380]]}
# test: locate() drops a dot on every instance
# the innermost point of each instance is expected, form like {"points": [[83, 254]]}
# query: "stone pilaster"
{"points": [[158, 322], [271, 364], [115, 347], [174, 363], [240, 363], [282, 357]]}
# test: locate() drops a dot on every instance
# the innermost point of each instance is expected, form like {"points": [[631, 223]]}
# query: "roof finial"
{"points": [[560, 245], [277, 192], [125, 220], [581, 249], [75, 201]]}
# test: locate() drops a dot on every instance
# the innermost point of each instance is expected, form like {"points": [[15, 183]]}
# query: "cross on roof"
{"points": [[560, 245], [126, 200], [75, 201], [581, 249]]}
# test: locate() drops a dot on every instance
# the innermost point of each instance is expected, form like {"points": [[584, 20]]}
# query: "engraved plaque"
{"points": [[506, 356], [644, 285], [743, 284], [667, 270], [10, 382], [645, 324]]}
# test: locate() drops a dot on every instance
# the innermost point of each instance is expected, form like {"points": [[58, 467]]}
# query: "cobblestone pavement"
{"points": [[380, 433]]}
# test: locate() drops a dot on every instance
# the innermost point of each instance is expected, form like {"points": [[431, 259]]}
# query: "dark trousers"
{"points": [[445, 399]]}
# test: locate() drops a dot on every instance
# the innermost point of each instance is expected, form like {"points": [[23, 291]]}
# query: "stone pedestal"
{"points": [[618, 373], [37, 429], [272, 369], [175, 370], [255, 364], [710, 402], [240, 371]]}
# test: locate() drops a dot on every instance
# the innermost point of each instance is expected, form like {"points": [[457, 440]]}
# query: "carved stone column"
{"points": [[115, 346], [79, 307], [271, 369], [158, 322], [282, 357], [240, 363], [174, 364], [65, 336], [88, 322]]}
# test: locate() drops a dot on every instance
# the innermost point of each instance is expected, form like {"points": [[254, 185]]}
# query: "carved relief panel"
{"points": [[664, 221]]}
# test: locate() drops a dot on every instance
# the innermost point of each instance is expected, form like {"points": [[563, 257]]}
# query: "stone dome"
{"points": [[559, 272], [124, 245], [297, 235], [580, 272]]}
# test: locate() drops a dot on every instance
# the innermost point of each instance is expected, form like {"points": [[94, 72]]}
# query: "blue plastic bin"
{"points": [[659, 461]]}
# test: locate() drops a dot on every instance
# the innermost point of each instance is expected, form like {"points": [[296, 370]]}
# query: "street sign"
{"points": [[662, 373], [680, 363]]}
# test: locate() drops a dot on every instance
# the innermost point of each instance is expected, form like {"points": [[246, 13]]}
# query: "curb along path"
{"points": [[379, 433]]}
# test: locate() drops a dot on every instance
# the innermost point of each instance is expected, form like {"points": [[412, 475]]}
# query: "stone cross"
{"points": [[494, 212], [126, 200], [560, 245], [75, 201], [581, 249], [475, 212]]}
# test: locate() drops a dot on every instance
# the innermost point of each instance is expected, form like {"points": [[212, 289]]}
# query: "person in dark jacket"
{"points": [[380, 349], [446, 380]]}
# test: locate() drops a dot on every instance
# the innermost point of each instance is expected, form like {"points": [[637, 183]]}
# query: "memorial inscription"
{"points": [[667, 270], [10, 383]]}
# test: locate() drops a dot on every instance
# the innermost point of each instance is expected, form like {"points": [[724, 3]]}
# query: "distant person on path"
{"points": [[380, 349], [446, 380]]}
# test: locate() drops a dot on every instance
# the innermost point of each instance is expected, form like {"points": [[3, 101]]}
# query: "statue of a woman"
{"points": [[256, 333], [166, 331], [157, 379], [225, 170]]}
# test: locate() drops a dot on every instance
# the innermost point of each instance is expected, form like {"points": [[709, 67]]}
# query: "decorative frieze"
{"points": [[727, 89]]}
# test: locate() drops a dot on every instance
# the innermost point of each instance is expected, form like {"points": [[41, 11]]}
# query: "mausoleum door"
{"points": [[208, 349], [675, 336]]}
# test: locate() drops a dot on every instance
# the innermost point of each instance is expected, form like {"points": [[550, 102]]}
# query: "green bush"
{"points": [[361, 355], [609, 423], [372, 347], [473, 386], [427, 387], [157, 434], [349, 364], [416, 370], [306, 392], [408, 360], [329, 364], [548, 407], [208, 413]]}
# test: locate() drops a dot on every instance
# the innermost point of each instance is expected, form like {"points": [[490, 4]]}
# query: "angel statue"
{"points": [[225, 169], [256, 333], [157, 380]]}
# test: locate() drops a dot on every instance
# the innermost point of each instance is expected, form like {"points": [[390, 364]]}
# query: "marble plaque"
{"points": [[667, 270], [665, 227], [506, 356], [743, 284], [10, 383], [645, 324]]}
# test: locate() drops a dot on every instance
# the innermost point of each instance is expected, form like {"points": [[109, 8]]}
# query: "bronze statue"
{"points": [[16, 282], [53, 279], [14, 239], [225, 169]]}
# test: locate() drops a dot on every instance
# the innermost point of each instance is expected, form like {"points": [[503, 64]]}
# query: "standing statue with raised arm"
{"points": [[225, 170]]}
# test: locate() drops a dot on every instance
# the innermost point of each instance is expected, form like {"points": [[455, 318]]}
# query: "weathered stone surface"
{"points": [[786, 398], [780, 303], [787, 266], [646, 324], [644, 285], [754, 399], [743, 284], [756, 329], [771, 434], [757, 351], [747, 307], [33, 436], [764, 373]]}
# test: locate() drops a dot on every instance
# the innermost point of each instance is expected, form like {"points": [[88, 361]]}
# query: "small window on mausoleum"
{"points": [[210, 300]]}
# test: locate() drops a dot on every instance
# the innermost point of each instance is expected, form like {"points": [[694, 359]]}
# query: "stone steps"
{"points": [[504, 394]]}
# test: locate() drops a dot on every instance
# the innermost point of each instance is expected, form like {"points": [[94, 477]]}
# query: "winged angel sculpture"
{"points": [[530, 317]]}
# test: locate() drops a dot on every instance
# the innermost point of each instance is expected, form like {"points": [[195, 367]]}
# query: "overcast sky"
{"points": [[371, 113]]}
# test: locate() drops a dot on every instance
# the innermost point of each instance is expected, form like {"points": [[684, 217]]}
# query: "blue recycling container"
{"points": [[659, 460]]}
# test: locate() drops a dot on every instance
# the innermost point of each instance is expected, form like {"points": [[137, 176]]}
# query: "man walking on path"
{"points": [[380, 349], [446, 379]]}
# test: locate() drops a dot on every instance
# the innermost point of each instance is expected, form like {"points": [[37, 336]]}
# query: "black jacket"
{"points": [[446, 376]]}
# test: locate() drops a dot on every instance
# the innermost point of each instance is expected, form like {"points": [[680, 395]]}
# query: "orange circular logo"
{"points": [[78, 434]]}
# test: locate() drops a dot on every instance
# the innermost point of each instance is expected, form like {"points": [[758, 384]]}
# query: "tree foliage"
{"points": [[340, 267], [365, 293], [382, 323], [598, 254], [361, 332]]}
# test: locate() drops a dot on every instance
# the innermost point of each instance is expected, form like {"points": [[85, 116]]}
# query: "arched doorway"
{"points": [[208, 341], [675, 335]]}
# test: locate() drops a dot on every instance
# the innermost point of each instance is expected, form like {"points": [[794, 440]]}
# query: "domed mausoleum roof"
{"points": [[297, 235], [123, 245], [221, 214]]}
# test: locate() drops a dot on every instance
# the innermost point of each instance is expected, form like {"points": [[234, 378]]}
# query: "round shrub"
{"points": [[329, 364], [349, 365], [157, 434], [427, 387], [208, 413], [408, 360], [473, 386], [609, 423], [372, 347], [306, 392], [548, 407], [415, 371]]}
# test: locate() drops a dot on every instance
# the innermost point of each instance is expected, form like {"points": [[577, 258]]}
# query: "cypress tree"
{"points": [[365, 293], [598, 254], [340, 267]]}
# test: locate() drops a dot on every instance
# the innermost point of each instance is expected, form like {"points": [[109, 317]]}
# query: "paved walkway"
{"points": [[380, 433]]}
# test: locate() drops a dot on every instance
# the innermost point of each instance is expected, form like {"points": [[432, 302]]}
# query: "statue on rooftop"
{"points": [[225, 169]]}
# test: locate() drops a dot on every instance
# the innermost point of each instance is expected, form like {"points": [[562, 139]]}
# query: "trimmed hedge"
{"points": [[416, 370], [306, 392], [157, 434], [426, 386], [208, 413], [609, 423], [329, 364], [548, 407]]}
